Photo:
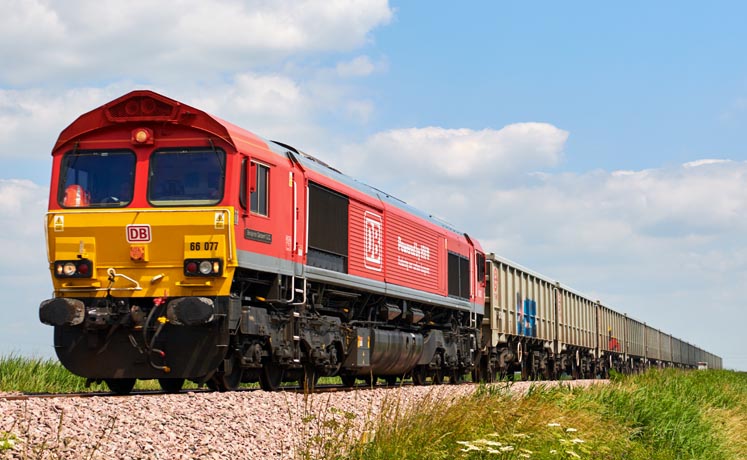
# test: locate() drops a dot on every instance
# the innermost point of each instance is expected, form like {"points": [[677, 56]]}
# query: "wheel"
{"points": [[419, 375], [454, 376], [171, 385], [437, 377], [348, 380], [309, 380], [228, 381], [370, 380], [525, 374], [391, 380], [120, 386], [484, 373], [270, 377]]}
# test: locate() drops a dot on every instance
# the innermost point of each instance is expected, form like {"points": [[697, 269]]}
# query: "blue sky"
{"points": [[601, 145]]}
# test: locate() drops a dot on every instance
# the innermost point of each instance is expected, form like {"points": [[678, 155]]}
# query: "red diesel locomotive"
{"points": [[184, 247]]}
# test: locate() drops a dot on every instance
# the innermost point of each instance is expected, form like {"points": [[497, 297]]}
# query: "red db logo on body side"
{"points": [[138, 233], [372, 241]]}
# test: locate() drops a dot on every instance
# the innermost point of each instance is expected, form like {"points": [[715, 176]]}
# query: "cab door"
{"points": [[269, 215]]}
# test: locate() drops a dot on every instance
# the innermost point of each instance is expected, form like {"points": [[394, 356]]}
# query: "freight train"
{"points": [[182, 247]]}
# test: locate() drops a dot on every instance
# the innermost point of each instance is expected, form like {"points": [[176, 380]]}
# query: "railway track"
{"points": [[91, 394]]}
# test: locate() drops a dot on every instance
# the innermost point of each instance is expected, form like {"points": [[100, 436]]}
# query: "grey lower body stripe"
{"points": [[284, 267]]}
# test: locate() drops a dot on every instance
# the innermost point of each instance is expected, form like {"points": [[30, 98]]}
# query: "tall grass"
{"points": [[38, 375], [661, 415]]}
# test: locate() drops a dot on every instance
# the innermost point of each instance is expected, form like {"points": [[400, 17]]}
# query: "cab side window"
{"points": [[259, 195]]}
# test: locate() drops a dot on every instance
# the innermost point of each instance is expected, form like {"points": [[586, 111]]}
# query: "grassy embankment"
{"points": [[661, 415]]}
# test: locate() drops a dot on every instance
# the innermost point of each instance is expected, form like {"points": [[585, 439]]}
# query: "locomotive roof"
{"points": [[171, 111], [313, 163]]}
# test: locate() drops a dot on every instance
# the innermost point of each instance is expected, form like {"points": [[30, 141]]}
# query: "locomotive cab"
{"points": [[140, 245]]}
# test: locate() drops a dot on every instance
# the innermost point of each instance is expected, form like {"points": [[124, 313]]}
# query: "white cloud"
{"points": [[97, 40], [24, 278], [461, 155], [706, 161], [361, 66], [38, 115]]}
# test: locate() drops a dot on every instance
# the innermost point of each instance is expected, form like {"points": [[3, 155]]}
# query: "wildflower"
{"points": [[554, 452], [468, 446], [521, 435], [570, 430], [525, 456], [553, 424], [572, 454], [526, 451], [488, 443], [577, 441], [507, 448]]}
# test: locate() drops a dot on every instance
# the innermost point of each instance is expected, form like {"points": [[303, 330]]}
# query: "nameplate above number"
{"points": [[262, 237]]}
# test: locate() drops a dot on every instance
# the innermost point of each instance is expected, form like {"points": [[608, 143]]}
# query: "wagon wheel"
{"points": [[437, 376], [370, 380], [525, 374], [391, 380], [575, 373], [490, 373], [419, 375], [348, 380], [454, 376], [171, 385], [120, 386], [270, 377]]}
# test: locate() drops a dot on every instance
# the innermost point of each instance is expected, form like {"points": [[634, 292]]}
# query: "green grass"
{"points": [[661, 415], [20, 374]]}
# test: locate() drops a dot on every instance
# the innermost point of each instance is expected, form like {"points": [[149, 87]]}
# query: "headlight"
{"points": [[206, 267], [68, 269]]}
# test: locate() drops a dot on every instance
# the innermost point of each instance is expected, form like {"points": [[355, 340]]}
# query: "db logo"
{"points": [[372, 241], [138, 233]]}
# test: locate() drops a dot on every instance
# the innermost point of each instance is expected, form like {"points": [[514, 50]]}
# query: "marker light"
{"points": [[83, 269], [203, 267], [79, 268], [143, 136]]}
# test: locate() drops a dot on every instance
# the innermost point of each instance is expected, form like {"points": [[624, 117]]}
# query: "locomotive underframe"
{"points": [[343, 331]]}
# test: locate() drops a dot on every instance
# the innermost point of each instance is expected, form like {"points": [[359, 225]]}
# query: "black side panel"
{"points": [[328, 229], [464, 277], [458, 276]]}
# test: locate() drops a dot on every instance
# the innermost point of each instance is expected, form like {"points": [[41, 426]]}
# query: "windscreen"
{"points": [[187, 177], [96, 179]]}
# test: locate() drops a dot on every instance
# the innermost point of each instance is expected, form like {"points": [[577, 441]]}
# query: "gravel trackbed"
{"points": [[239, 425]]}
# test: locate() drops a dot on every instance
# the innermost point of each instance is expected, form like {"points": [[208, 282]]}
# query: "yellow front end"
{"points": [[141, 293], [142, 253]]}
